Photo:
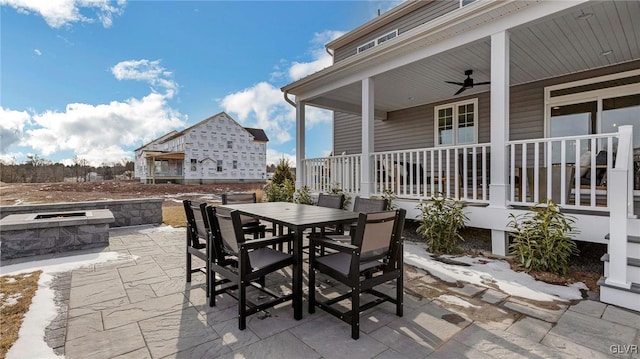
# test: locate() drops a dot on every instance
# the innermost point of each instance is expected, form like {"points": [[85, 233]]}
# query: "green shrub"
{"points": [[542, 238], [336, 189], [441, 220], [280, 192], [282, 172], [390, 197], [303, 196]]}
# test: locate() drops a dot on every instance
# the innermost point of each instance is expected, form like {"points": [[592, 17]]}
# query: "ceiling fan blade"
{"points": [[455, 83], [481, 83], [460, 91]]}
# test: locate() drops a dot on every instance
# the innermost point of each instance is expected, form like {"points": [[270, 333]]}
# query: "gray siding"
{"points": [[424, 14], [413, 127]]}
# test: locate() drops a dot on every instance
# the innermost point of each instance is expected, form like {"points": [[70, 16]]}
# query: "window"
{"points": [[229, 144], [161, 167], [456, 123], [466, 2], [219, 166], [194, 163], [378, 41], [235, 165]]}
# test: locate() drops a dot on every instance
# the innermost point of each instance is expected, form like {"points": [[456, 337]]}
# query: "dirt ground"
{"points": [[173, 194]]}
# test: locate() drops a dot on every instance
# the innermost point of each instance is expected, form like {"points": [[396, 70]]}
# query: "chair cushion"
{"points": [[264, 257], [341, 262]]}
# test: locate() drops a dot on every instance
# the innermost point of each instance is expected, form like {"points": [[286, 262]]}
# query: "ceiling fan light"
{"points": [[606, 52], [584, 16]]}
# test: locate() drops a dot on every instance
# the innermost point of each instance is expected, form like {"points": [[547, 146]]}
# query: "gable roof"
{"points": [[257, 133], [159, 139]]}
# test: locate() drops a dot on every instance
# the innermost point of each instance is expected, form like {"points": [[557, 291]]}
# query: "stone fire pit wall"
{"points": [[25, 235], [126, 212]]}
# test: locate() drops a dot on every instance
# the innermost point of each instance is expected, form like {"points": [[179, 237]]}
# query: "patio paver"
{"points": [[143, 308]]}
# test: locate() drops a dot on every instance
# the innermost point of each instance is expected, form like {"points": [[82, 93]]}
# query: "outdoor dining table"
{"points": [[297, 218]]}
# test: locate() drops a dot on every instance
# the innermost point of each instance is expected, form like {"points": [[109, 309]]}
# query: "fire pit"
{"points": [[24, 235]]}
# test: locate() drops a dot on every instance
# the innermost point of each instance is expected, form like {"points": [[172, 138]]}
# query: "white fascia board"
{"points": [[374, 63]]}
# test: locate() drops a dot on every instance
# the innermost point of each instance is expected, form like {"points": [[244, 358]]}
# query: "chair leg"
{"points": [[355, 312], [212, 289], [399, 297], [188, 267], [312, 290], [242, 301]]}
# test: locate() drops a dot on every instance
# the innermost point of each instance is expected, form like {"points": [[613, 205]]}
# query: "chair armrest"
{"points": [[338, 246], [263, 242]]}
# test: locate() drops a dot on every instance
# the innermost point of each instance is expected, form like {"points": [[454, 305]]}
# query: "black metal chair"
{"points": [[375, 257], [197, 239], [242, 263], [250, 225]]}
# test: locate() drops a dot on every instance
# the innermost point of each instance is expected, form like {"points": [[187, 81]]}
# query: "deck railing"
{"points": [[323, 174], [456, 171], [560, 168]]}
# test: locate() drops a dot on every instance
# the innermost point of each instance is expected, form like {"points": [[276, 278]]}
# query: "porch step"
{"points": [[633, 246], [633, 268], [626, 298]]}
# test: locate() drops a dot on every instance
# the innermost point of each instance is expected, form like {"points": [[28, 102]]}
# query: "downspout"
{"points": [[286, 98]]}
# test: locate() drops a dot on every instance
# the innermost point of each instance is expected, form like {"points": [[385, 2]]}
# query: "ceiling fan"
{"points": [[468, 83]]}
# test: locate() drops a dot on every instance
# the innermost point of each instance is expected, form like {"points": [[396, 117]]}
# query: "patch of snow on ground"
{"points": [[43, 310], [11, 280], [452, 299], [11, 300], [492, 273], [162, 228]]}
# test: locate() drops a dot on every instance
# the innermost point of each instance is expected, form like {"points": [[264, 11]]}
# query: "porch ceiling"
{"points": [[566, 43]]}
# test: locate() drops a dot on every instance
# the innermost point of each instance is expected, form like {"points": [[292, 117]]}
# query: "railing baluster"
{"points": [[576, 180], [525, 166], [563, 162], [513, 174]]}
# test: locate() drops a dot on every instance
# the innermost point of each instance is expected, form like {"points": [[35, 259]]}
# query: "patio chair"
{"points": [[374, 258], [197, 239], [328, 201], [243, 264], [361, 205], [249, 225]]}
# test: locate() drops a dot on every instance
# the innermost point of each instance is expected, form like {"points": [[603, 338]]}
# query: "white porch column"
{"points": [[499, 133], [368, 113], [300, 144]]}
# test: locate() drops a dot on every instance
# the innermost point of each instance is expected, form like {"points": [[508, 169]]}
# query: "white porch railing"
{"points": [[557, 166], [424, 172], [322, 174]]}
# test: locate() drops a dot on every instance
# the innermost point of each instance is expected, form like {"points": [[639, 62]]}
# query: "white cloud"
{"points": [[273, 157], [320, 57], [99, 133], [148, 71], [37, 52], [263, 105], [12, 125], [64, 12]]}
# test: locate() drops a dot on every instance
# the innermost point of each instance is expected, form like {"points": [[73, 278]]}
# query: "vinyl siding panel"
{"points": [[347, 133], [427, 13]]}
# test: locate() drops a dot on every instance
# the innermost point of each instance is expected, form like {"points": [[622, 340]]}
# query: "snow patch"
{"points": [[490, 273], [11, 300], [452, 299], [11, 280], [162, 228]]}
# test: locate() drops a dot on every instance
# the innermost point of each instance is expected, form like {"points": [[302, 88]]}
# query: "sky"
{"points": [[97, 79]]}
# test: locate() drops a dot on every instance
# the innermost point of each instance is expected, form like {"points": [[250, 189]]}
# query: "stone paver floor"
{"points": [[143, 308]]}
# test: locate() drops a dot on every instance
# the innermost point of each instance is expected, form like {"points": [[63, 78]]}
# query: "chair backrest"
{"points": [[376, 232], [370, 205], [197, 224], [236, 198], [228, 229], [331, 200]]}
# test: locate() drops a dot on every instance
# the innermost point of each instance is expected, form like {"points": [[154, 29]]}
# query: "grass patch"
{"points": [[16, 292], [174, 216]]}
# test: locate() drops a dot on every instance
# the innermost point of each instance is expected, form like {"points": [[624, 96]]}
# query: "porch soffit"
{"points": [[550, 46], [165, 155]]}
